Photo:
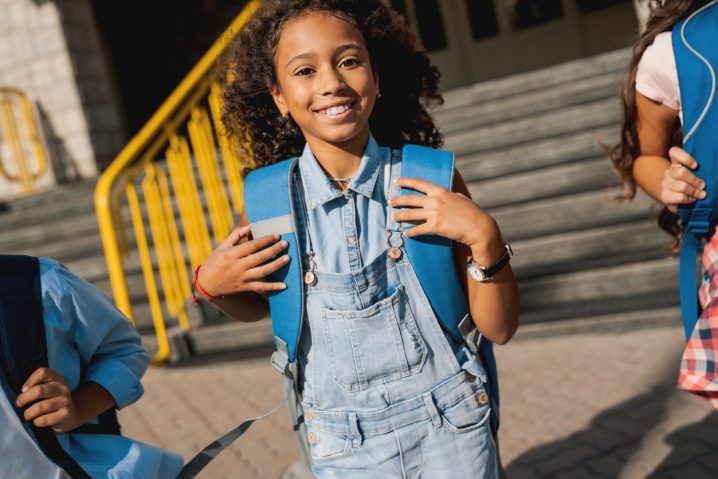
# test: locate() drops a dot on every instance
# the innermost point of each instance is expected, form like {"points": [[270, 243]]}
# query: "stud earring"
{"points": [[378, 95]]}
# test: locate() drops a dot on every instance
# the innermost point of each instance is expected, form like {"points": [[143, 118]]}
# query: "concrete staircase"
{"points": [[528, 146]]}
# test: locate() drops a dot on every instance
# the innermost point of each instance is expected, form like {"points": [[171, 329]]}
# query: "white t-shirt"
{"points": [[657, 77]]}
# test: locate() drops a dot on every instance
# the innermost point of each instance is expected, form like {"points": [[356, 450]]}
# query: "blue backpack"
{"points": [[694, 44], [269, 205]]}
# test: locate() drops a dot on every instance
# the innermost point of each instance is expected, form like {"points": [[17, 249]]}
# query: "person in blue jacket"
{"points": [[96, 360]]}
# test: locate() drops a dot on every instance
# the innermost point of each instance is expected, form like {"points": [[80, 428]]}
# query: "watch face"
{"points": [[476, 272]]}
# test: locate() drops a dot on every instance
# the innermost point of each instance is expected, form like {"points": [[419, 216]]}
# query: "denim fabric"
{"points": [[386, 393]]}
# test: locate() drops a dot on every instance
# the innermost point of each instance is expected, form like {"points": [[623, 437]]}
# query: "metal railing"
{"points": [[19, 137], [172, 169]]}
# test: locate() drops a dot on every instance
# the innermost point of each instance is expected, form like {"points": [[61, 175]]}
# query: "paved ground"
{"points": [[588, 405]]}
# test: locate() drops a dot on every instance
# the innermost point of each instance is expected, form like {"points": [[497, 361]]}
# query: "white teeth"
{"points": [[336, 110]]}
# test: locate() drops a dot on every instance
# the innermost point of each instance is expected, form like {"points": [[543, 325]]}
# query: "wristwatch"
{"points": [[485, 273]]}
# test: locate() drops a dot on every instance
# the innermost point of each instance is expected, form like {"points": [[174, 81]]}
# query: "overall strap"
{"points": [[24, 347], [270, 209], [432, 258], [694, 40]]}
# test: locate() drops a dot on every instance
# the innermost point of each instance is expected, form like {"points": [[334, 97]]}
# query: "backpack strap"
{"points": [[694, 40], [24, 347], [270, 209], [431, 253]]}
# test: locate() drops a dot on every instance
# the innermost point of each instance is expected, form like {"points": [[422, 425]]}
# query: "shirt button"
{"points": [[308, 415], [483, 398], [312, 438]]}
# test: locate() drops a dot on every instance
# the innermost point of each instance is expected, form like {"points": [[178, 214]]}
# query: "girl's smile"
{"points": [[325, 81]]}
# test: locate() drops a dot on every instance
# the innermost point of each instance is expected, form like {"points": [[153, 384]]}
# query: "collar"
{"points": [[319, 189]]}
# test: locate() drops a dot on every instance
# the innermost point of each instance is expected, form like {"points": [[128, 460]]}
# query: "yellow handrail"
{"points": [[14, 103], [181, 136]]}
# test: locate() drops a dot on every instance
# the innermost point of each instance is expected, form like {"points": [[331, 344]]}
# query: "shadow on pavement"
{"points": [[604, 447], [248, 353], [694, 452]]}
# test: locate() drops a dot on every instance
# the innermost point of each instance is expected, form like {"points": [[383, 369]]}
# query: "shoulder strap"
{"points": [[694, 40], [270, 209], [24, 348], [430, 254]]}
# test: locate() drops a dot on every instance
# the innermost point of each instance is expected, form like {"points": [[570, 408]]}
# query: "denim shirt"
{"points": [[89, 339]]}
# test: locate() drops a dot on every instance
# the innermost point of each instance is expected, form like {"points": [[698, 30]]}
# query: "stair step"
{"points": [[575, 119], [530, 104], [570, 72], [569, 213], [587, 249], [546, 183], [541, 153], [603, 291]]}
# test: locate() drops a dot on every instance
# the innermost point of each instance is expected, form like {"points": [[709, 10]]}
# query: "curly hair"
{"points": [[664, 15], [409, 83]]}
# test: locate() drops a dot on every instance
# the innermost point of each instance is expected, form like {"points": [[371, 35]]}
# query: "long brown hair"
{"points": [[664, 15]]}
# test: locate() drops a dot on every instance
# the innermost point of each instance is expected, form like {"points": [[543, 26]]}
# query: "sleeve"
{"points": [[110, 348], [657, 77]]}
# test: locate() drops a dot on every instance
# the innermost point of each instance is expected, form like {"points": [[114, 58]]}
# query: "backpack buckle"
{"points": [[700, 221]]}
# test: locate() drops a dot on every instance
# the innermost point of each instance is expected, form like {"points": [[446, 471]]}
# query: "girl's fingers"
{"points": [[677, 172], [235, 237], [44, 407], [251, 247], [419, 185], [42, 375], [419, 230], [263, 271], [264, 287], [410, 200], [262, 256], [411, 215], [41, 391], [51, 419], [678, 199], [680, 156], [680, 186]]}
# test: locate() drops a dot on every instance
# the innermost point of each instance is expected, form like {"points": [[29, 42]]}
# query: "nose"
{"points": [[332, 82]]}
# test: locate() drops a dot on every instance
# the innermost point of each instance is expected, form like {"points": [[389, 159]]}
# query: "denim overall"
{"points": [[386, 393]]}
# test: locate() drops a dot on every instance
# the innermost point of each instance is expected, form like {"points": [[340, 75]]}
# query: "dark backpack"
{"points": [[23, 349]]}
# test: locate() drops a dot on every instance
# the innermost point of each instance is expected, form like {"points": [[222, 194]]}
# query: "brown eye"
{"points": [[304, 72], [349, 62]]}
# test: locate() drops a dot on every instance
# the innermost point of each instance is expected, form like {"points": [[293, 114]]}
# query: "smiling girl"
{"points": [[342, 85]]}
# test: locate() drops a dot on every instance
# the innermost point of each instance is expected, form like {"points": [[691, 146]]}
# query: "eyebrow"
{"points": [[337, 51]]}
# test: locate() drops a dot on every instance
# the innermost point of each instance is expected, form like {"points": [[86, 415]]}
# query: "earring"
{"points": [[378, 95]]}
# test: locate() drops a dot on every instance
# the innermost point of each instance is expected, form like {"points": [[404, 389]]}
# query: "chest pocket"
{"points": [[374, 345]]}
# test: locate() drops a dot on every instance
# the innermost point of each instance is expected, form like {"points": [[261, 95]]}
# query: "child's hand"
{"points": [[234, 268], [445, 213], [54, 406], [679, 186]]}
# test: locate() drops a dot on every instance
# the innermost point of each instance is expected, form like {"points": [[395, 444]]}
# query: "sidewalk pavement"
{"points": [[579, 406]]}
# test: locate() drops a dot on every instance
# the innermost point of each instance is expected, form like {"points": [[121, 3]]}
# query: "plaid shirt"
{"points": [[698, 365]]}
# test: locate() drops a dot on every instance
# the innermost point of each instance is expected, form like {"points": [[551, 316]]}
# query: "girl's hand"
{"points": [[234, 268], [679, 186], [448, 214], [54, 406]]}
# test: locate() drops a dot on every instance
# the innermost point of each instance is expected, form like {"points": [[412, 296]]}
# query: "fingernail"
{"points": [[17, 402], [396, 181], [276, 237], [703, 194], [285, 258], [24, 389], [703, 185], [285, 243], [284, 286]]}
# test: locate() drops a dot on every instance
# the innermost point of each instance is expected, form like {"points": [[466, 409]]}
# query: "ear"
{"points": [[278, 98], [375, 76]]}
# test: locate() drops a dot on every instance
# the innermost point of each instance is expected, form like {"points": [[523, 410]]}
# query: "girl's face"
{"points": [[325, 79]]}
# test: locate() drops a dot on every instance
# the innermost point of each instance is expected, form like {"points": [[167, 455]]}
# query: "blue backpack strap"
{"points": [[24, 347], [694, 40], [269, 204], [430, 254]]}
